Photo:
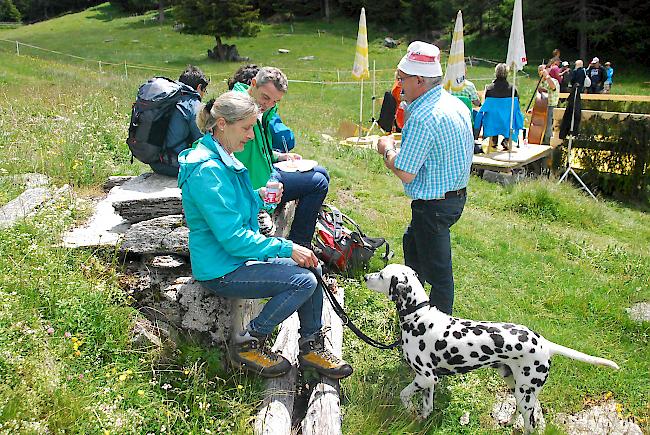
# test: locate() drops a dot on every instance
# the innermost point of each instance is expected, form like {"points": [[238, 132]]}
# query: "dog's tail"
{"points": [[574, 354]]}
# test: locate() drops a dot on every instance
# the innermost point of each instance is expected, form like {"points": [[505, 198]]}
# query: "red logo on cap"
{"points": [[422, 57]]}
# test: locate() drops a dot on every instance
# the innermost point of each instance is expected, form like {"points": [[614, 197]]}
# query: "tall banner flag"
{"points": [[455, 74], [360, 69], [516, 58]]}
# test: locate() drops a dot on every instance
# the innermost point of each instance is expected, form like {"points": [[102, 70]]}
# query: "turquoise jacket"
{"points": [[221, 210]]}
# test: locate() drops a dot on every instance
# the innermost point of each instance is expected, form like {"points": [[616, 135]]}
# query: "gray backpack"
{"points": [[150, 115]]}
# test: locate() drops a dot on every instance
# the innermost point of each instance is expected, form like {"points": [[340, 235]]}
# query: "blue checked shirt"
{"points": [[437, 145]]}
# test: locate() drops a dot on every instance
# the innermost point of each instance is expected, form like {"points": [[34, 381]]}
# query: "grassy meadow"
{"points": [[538, 253]]}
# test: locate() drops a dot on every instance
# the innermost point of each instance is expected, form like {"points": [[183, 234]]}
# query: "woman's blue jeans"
{"points": [[290, 287], [310, 189]]}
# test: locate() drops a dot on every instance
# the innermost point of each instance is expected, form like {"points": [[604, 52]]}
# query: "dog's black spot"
{"points": [[523, 338], [484, 358], [477, 331], [518, 346], [473, 354], [456, 360], [446, 334], [429, 365], [498, 350], [469, 343], [457, 335], [541, 369], [532, 350], [420, 331], [446, 355], [418, 361], [443, 371], [487, 350], [503, 356], [537, 381], [434, 358], [534, 341], [440, 344], [454, 349], [493, 330], [466, 323], [422, 345], [498, 339], [508, 326], [430, 325], [508, 347], [536, 362], [448, 326]]}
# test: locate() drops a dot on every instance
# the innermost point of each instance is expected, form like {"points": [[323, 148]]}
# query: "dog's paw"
{"points": [[423, 415]]}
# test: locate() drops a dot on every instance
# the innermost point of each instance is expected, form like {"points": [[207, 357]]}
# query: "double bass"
{"points": [[538, 117]]}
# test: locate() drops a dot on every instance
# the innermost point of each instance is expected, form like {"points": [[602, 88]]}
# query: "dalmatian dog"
{"points": [[436, 344]]}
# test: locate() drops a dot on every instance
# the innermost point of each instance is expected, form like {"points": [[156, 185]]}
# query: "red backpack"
{"points": [[344, 250]]}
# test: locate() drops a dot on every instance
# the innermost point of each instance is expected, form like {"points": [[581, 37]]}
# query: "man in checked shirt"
{"points": [[433, 163]]}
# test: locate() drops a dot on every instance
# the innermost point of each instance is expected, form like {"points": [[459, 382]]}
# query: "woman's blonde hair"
{"points": [[232, 106]]}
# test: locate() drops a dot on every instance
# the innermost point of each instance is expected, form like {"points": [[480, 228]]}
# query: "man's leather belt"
{"points": [[449, 195]]}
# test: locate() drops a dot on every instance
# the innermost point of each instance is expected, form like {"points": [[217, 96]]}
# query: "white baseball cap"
{"points": [[595, 60], [421, 59]]}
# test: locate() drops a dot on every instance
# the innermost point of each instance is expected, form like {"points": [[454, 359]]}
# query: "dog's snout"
{"points": [[366, 277]]}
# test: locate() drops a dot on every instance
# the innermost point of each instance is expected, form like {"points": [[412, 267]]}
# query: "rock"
{"points": [[31, 180], [601, 419], [503, 178], [106, 226], [25, 204], [390, 42], [138, 210], [283, 51], [166, 261], [464, 419], [116, 180], [505, 409], [639, 312], [307, 58], [144, 335], [163, 235], [203, 311]]}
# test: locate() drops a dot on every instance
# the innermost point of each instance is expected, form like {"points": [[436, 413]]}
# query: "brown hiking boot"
{"points": [[248, 351], [314, 354]]}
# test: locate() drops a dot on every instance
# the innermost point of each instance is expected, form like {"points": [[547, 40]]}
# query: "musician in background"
{"points": [[552, 87]]}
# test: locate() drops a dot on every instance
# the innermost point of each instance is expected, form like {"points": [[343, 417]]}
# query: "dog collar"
{"points": [[404, 313]]}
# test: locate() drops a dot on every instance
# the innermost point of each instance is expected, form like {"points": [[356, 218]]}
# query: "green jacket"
{"points": [[221, 212], [257, 154]]}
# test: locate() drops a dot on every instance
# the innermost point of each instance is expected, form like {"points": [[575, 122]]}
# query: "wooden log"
{"points": [[275, 415], [324, 409], [609, 97]]}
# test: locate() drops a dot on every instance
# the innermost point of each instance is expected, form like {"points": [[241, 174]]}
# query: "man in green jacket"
{"points": [[310, 188]]}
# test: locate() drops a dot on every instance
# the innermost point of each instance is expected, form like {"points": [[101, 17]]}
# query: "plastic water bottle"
{"points": [[272, 197]]}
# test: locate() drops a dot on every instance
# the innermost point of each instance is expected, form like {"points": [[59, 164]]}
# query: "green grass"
{"points": [[539, 253]]}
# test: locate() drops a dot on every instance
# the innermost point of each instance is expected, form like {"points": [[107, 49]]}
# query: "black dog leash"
{"points": [[338, 309]]}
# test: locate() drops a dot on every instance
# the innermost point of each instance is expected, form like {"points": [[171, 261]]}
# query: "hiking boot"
{"points": [[314, 354], [248, 351]]}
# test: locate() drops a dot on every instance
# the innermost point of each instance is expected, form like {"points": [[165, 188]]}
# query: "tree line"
{"points": [[616, 30]]}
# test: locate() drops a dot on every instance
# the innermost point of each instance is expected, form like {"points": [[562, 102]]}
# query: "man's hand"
{"points": [[262, 192], [289, 156], [303, 256], [384, 143]]}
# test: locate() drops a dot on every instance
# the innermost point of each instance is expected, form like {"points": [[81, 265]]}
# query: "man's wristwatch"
{"points": [[386, 152]]}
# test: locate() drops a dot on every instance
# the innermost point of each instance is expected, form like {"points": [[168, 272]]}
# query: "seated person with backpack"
{"points": [[182, 130], [308, 187], [282, 138], [231, 258]]}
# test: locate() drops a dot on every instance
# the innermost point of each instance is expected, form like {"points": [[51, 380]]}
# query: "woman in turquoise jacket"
{"points": [[229, 255]]}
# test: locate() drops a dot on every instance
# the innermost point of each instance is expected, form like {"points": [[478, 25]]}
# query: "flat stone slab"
{"points": [[603, 419], [163, 235], [106, 226], [639, 312], [25, 204], [138, 210]]}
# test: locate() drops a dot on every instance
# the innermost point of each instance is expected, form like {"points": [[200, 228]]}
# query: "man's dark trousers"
{"points": [[427, 246]]}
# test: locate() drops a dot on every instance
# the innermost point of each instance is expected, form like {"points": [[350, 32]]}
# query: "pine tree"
{"points": [[8, 11], [223, 18]]}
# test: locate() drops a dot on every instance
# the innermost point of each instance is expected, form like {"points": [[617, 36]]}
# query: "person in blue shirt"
{"points": [[182, 131], [608, 80], [230, 256], [433, 163]]}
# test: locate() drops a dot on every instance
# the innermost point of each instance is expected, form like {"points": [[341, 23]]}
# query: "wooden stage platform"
{"points": [[502, 161]]}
